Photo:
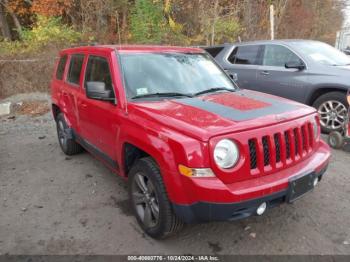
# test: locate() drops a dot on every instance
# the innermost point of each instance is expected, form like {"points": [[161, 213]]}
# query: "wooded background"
{"points": [[39, 28], [185, 22]]}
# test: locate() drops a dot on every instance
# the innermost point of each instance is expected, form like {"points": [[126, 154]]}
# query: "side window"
{"points": [[97, 70], [60, 67], [76, 63], [245, 55], [277, 55], [214, 51]]}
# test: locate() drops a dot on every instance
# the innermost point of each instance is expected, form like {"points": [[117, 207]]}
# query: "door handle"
{"points": [[233, 76], [83, 105], [264, 73]]}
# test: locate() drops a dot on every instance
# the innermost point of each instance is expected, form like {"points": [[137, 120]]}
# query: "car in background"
{"points": [[310, 72], [347, 51]]}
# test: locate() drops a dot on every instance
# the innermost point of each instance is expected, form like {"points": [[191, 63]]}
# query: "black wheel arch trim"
{"points": [[319, 91]]}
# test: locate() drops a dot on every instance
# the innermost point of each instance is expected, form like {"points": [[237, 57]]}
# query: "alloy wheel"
{"points": [[145, 200], [61, 134], [332, 114]]}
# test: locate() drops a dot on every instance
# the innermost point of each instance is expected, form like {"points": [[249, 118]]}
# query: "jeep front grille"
{"points": [[280, 148]]}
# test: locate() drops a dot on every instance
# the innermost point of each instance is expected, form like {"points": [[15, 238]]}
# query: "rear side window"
{"points": [[214, 51], [245, 55], [97, 70], [76, 63], [60, 67]]}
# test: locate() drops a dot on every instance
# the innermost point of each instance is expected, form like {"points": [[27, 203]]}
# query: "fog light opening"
{"points": [[261, 209], [315, 181]]}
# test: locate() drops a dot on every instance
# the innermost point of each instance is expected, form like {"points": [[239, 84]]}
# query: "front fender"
{"points": [[169, 149]]}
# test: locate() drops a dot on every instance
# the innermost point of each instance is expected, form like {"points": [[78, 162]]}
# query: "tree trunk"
{"points": [[124, 23], [215, 18], [16, 22], [4, 26]]}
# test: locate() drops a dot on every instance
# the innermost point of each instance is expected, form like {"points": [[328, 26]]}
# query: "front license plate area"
{"points": [[299, 186]]}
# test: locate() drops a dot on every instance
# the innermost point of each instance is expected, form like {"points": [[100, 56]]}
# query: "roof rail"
{"points": [[85, 44]]}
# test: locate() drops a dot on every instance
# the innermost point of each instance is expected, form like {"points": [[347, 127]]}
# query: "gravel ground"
{"points": [[53, 204]]}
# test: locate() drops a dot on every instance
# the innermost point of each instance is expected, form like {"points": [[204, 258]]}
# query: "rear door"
{"points": [[274, 78], [71, 89], [57, 83], [242, 64]]}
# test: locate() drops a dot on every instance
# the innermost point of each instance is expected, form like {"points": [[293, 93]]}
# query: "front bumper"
{"points": [[206, 211], [208, 199]]}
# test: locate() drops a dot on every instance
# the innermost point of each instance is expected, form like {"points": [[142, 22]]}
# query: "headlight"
{"points": [[226, 153], [315, 127]]}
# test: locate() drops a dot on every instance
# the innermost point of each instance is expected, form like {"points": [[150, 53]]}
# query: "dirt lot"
{"points": [[53, 204]]}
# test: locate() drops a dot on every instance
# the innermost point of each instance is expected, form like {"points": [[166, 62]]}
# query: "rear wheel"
{"points": [[149, 200], [335, 140], [332, 109], [67, 143]]}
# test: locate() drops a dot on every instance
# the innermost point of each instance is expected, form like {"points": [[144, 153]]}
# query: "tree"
{"points": [[4, 26], [51, 7], [147, 21], [9, 8]]}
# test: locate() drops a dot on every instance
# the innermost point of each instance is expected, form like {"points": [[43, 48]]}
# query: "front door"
{"points": [[274, 78], [99, 122]]}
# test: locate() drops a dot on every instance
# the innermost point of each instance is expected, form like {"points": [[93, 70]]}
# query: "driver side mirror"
{"points": [[98, 91], [296, 65]]}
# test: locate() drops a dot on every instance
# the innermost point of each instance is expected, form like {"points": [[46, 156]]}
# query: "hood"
{"points": [[343, 71], [345, 68], [220, 113]]}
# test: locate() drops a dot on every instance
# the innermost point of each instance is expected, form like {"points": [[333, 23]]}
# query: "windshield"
{"points": [[322, 53], [171, 73]]}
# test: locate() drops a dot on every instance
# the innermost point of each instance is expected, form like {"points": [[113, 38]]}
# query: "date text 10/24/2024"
{"points": [[173, 258]]}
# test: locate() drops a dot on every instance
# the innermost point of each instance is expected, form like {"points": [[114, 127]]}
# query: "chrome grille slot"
{"points": [[287, 141], [277, 142], [265, 142], [252, 153], [296, 141]]}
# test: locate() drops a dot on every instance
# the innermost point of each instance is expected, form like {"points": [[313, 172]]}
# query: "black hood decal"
{"points": [[275, 107]]}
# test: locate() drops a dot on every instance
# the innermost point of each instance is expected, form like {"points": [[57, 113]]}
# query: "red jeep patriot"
{"points": [[193, 146]]}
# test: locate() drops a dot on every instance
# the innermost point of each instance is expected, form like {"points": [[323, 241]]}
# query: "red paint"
{"points": [[174, 133], [236, 101]]}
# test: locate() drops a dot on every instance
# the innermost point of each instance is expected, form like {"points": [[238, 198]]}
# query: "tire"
{"points": [[68, 145], [332, 105], [335, 140], [163, 223]]}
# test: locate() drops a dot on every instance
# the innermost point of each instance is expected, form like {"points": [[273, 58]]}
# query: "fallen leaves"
{"points": [[32, 108]]}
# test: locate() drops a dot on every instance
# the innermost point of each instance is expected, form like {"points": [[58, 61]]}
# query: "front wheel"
{"points": [[332, 109], [149, 200]]}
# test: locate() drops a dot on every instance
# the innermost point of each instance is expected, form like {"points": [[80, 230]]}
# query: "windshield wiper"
{"points": [[165, 94], [214, 89]]}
